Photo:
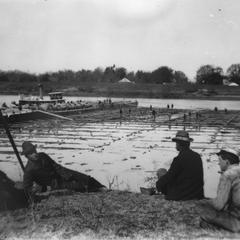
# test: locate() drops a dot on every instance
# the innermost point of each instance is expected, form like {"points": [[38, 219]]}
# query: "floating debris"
{"points": [[83, 164], [136, 168], [69, 163]]}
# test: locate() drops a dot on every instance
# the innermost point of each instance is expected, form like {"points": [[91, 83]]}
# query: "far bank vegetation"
{"points": [[163, 82]]}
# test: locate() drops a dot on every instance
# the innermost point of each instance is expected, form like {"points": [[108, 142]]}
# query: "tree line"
{"points": [[110, 74], [209, 74], [206, 74]]}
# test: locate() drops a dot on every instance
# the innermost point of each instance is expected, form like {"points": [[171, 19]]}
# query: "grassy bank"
{"points": [[111, 215]]}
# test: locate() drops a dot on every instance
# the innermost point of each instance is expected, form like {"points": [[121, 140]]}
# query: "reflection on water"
{"points": [[121, 156]]}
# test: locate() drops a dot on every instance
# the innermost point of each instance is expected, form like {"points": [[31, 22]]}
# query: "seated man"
{"points": [[224, 210], [44, 171], [184, 179]]}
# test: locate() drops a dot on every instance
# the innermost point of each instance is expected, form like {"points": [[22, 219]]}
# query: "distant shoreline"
{"points": [[186, 96]]}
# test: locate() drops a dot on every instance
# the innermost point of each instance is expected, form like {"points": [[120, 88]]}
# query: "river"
{"points": [[159, 103]]}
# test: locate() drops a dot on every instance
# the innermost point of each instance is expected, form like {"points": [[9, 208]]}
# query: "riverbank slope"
{"points": [[110, 215]]}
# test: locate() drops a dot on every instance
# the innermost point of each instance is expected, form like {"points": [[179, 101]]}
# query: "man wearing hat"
{"points": [[184, 179], [44, 171], [224, 210]]}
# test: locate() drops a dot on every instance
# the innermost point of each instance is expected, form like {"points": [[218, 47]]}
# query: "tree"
{"points": [[180, 77], [162, 75], [130, 76], [208, 74], [85, 76], [26, 77], [97, 74], [109, 74], [3, 77], [43, 77], [142, 77], [120, 72], [233, 73]]}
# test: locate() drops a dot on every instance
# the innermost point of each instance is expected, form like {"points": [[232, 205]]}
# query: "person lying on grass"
{"points": [[224, 210], [44, 171], [184, 179]]}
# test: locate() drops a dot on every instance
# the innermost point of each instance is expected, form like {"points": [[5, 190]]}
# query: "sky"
{"points": [[49, 35]]}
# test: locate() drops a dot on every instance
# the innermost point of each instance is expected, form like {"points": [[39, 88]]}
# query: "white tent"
{"points": [[124, 80], [233, 84]]}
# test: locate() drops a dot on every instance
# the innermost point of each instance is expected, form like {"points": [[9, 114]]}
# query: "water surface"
{"points": [[121, 155], [159, 103]]}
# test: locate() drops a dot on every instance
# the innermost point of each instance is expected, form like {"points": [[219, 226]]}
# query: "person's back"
{"points": [[184, 179], [188, 183], [233, 175]]}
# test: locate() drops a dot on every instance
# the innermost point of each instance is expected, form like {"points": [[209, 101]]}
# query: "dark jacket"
{"points": [[46, 172], [10, 197], [184, 179]]}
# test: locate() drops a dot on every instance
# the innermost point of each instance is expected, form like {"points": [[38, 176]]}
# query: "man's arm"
{"points": [[28, 181], [170, 176], [223, 193]]}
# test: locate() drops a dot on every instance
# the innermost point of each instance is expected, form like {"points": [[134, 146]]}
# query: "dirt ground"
{"points": [[119, 214]]}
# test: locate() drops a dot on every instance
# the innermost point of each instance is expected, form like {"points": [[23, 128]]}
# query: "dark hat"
{"points": [[231, 151], [28, 148], [182, 136]]}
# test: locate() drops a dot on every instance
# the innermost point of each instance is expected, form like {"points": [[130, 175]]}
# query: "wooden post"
{"points": [[5, 125]]}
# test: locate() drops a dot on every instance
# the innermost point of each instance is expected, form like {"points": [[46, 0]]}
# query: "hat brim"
{"points": [[184, 139]]}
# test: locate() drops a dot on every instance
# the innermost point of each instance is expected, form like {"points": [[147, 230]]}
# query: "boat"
{"points": [[32, 115], [23, 115], [94, 106], [56, 104], [54, 98], [34, 108]]}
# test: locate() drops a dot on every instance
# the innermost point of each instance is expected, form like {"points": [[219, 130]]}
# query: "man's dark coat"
{"points": [[46, 172], [10, 197], [184, 179]]}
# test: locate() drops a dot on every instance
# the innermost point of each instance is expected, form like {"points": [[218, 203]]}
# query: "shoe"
{"points": [[205, 225], [103, 189], [147, 191]]}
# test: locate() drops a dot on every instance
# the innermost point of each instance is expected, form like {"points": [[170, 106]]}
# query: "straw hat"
{"points": [[182, 136], [28, 148]]}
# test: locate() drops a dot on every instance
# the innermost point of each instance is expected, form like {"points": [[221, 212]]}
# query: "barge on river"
{"points": [[29, 108], [27, 115], [34, 108]]}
